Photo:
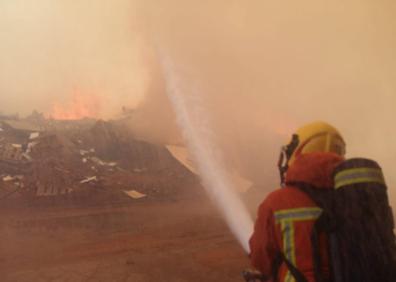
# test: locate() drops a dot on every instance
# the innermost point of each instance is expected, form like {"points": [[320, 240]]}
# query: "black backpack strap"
{"points": [[320, 196], [298, 276], [319, 228], [276, 266], [324, 224], [317, 260]]}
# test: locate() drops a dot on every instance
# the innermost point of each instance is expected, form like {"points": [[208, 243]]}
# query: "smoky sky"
{"points": [[262, 68], [50, 48], [266, 67]]}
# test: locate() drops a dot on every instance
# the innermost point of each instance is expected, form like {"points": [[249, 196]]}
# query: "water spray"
{"points": [[192, 119]]}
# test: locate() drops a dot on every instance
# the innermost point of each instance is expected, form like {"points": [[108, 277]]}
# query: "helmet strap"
{"points": [[285, 155]]}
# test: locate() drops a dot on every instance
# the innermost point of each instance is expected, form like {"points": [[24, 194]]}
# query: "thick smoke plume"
{"points": [[267, 67], [264, 67]]}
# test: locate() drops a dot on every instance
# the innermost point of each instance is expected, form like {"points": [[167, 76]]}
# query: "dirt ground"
{"points": [[175, 240]]}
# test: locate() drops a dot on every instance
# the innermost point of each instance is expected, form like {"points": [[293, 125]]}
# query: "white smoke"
{"points": [[193, 121]]}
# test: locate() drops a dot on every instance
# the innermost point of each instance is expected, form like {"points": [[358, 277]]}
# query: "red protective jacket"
{"points": [[286, 217]]}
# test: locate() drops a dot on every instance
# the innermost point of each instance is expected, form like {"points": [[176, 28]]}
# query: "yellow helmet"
{"points": [[318, 137], [314, 137]]}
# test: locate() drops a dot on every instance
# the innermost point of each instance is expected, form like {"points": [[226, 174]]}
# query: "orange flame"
{"points": [[80, 106]]}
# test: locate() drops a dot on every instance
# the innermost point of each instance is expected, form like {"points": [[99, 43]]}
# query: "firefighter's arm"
{"points": [[263, 243]]}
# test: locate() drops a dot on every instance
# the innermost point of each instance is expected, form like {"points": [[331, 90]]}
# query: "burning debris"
{"points": [[81, 106], [44, 159]]}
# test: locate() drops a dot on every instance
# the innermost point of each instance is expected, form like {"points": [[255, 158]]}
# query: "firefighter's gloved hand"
{"points": [[254, 276]]}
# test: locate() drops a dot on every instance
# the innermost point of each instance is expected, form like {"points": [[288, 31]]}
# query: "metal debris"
{"points": [[34, 135], [8, 178], [135, 194], [56, 163], [89, 179]]}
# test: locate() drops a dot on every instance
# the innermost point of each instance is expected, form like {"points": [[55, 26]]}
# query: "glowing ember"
{"points": [[81, 106]]}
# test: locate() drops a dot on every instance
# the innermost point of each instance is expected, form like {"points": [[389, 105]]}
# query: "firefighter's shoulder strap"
{"points": [[325, 223], [297, 275]]}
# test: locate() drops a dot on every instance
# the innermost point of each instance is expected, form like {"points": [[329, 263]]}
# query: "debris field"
{"points": [[89, 160]]}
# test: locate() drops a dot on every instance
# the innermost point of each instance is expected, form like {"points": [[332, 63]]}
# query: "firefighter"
{"points": [[281, 242]]}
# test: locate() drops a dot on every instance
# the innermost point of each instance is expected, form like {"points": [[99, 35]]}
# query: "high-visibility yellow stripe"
{"points": [[296, 210], [350, 173], [287, 227], [358, 170], [359, 175], [359, 180], [286, 219], [298, 214]]}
